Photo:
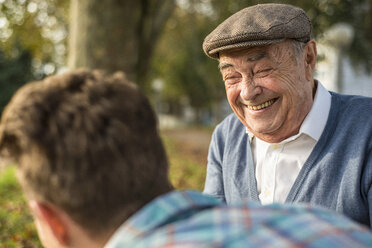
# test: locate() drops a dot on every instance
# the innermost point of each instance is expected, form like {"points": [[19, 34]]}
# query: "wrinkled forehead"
{"points": [[252, 54]]}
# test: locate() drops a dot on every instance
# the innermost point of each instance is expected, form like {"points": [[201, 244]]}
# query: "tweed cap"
{"points": [[258, 25]]}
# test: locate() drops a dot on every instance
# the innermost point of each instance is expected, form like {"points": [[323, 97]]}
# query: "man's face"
{"points": [[268, 89]]}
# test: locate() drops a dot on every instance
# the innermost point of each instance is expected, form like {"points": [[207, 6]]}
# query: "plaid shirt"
{"points": [[190, 219]]}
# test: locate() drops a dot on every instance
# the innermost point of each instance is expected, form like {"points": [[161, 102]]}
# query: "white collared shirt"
{"points": [[278, 164]]}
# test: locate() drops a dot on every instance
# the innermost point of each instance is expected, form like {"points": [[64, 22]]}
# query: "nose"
{"points": [[249, 89]]}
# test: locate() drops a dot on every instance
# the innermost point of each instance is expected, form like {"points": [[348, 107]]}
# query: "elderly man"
{"points": [[290, 140], [94, 171]]}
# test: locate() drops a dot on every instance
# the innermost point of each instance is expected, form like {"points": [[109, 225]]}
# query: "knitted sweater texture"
{"points": [[337, 175]]}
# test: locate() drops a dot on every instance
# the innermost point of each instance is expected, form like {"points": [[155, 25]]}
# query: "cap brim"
{"points": [[214, 53]]}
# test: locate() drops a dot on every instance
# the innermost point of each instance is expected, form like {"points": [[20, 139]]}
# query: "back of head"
{"points": [[87, 143]]}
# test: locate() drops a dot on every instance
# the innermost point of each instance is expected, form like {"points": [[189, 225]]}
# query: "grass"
{"points": [[184, 172], [17, 229], [16, 225]]}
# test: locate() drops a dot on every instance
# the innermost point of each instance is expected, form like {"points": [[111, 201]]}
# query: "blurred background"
{"points": [[158, 44]]}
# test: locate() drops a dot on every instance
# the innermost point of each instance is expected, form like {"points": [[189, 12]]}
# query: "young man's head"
{"points": [[88, 154]]}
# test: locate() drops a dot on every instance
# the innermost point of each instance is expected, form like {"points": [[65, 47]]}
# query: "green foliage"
{"points": [[357, 13], [32, 34], [14, 72], [190, 76], [16, 224], [38, 26]]}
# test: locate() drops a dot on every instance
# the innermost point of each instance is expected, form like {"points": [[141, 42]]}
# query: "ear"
{"points": [[310, 59], [53, 218]]}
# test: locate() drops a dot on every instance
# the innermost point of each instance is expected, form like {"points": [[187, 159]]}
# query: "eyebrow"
{"points": [[258, 56], [253, 58], [224, 66]]}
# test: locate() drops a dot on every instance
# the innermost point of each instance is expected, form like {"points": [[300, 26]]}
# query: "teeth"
{"points": [[261, 106]]}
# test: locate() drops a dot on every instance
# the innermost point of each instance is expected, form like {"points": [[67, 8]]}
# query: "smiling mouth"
{"points": [[263, 105]]}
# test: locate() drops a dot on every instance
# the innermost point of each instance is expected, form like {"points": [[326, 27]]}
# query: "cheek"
{"points": [[288, 85], [296, 98], [232, 94]]}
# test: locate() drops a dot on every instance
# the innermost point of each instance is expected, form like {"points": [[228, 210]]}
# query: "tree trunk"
{"points": [[369, 22], [116, 35]]}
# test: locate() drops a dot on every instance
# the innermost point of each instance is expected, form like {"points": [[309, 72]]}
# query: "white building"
{"points": [[334, 69]]}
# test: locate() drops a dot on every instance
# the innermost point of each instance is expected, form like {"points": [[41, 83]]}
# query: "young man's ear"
{"points": [[51, 218]]}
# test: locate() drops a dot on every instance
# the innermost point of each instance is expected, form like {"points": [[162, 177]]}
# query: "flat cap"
{"points": [[258, 25]]}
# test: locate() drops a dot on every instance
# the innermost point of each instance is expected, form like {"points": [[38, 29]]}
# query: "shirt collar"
{"points": [[162, 210], [316, 119]]}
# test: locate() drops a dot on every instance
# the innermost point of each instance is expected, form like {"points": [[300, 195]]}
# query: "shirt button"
{"points": [[276, 146], [267, 192]]}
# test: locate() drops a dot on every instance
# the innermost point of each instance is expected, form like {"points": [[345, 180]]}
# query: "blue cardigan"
{"points": [[337, 175]]}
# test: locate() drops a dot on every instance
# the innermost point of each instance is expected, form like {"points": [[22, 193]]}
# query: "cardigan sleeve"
{"points": [[369, 196], [214, 185]]}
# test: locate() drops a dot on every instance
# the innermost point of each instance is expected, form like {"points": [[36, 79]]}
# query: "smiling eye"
{"points": [[263, 72], [232, 78], [230, 81]]}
